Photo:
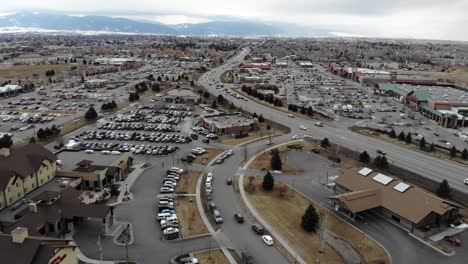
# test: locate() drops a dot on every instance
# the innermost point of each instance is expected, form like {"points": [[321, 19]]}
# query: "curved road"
{"points": [[419, 163]]}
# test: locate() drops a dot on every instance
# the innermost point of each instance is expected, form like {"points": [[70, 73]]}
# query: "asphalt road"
{"points": [[422, 164]]}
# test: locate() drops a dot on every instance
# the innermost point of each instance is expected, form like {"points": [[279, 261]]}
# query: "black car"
{"points": [[205, 140], [229, 181], [239, 218], [258, 229], [381, 152]]}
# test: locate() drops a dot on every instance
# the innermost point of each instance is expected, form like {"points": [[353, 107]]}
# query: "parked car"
{"points": [[381, 152], [258, 229], [205, 140], [229, 181], [319, 124], [453, 240], [217, 217], [465, 181], [166, 190], [170, 231], [268, 240], [239, 217]]}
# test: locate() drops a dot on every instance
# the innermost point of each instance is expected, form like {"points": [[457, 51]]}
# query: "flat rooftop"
{"points": [[440, 93], [181, 92], [71, 158], [223, 120]]}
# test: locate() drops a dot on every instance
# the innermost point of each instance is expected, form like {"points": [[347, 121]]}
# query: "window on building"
{"points": [[17, 184], [51, 228], [42, 181], [9, 189], [10, 199]]}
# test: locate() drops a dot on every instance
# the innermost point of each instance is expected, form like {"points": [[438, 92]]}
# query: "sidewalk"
{"points": [[449, 232], [126, 185]]}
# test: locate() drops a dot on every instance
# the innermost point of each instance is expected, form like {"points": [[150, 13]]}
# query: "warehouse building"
{"points": [[406, 205]]}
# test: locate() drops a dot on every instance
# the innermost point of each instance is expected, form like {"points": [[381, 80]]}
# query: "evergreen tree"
{"points": [[261, 119], [408, 138], [443, 191], [431, 147], [6, 141], [422, 144], [464, 154], [255, 115], [268, 182], [453, 151], [310, 219], [325, 143], [378, 161], [91, 114], [383, 163], [392, 134], [275, 162], [401, 136], [364, 157]]}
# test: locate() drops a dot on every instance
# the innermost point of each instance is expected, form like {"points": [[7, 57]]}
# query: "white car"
{"points": [[303, 127], [466, 181], [268, 142], [166, 190], [319, 124], [296, 137], [268, 240], [291, 115], [176, 169], [170, 230]]}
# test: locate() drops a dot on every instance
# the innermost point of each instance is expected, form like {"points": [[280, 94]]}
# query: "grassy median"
{"points": [[190, 222]]}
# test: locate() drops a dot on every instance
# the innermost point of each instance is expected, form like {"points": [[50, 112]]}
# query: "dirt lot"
{"points": [[190, 222], [216, 256], [74, 125], [30, 70], [263, 161], [273, 207], [210, 154], [188, 182]]}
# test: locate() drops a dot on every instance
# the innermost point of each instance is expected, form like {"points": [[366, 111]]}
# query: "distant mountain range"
{"points": [[62, 22]]}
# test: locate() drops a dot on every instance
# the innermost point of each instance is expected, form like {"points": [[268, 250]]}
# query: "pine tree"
{"points": [[432, 147], [378, 161], [325, 143], [453, 152], [464, 154], [444, 189], [91, 113], [408, 139], [422, 144], [275, 162], [268, 182], [310, 219], [401, 136], [261, 119], [383, 163], [392, 134], [364, 157]]}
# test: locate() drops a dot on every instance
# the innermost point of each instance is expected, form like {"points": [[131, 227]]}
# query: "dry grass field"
{"points": [[190, 222], [188, 182], [215, 256], [284, 213], [263, 161], [27, 71]]}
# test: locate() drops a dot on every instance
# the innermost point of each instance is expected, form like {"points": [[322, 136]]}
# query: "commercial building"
{"points": [[10, 90], [23, 170], [406, 205], [236, 123], [111, 168], [445, 104], [181, 96]]}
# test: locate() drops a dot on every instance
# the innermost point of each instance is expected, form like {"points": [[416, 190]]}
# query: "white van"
{"points": [[89, 151], [208, 189], [165, 203]]}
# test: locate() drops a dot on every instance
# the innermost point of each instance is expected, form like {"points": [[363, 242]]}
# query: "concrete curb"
{"points": [[132, 237], [189, 238]]}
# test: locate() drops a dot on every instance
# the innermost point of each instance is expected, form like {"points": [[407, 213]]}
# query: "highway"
{"points": [[419, 163]]}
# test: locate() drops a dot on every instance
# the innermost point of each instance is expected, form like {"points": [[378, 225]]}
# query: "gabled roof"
{"points": [[23, 162], [414, 204], [394, 88]]}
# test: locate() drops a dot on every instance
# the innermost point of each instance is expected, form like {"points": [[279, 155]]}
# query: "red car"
{"points": [[454, 241]]}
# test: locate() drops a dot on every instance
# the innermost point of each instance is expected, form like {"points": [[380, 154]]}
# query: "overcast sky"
{"points": [[446, 19]]}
